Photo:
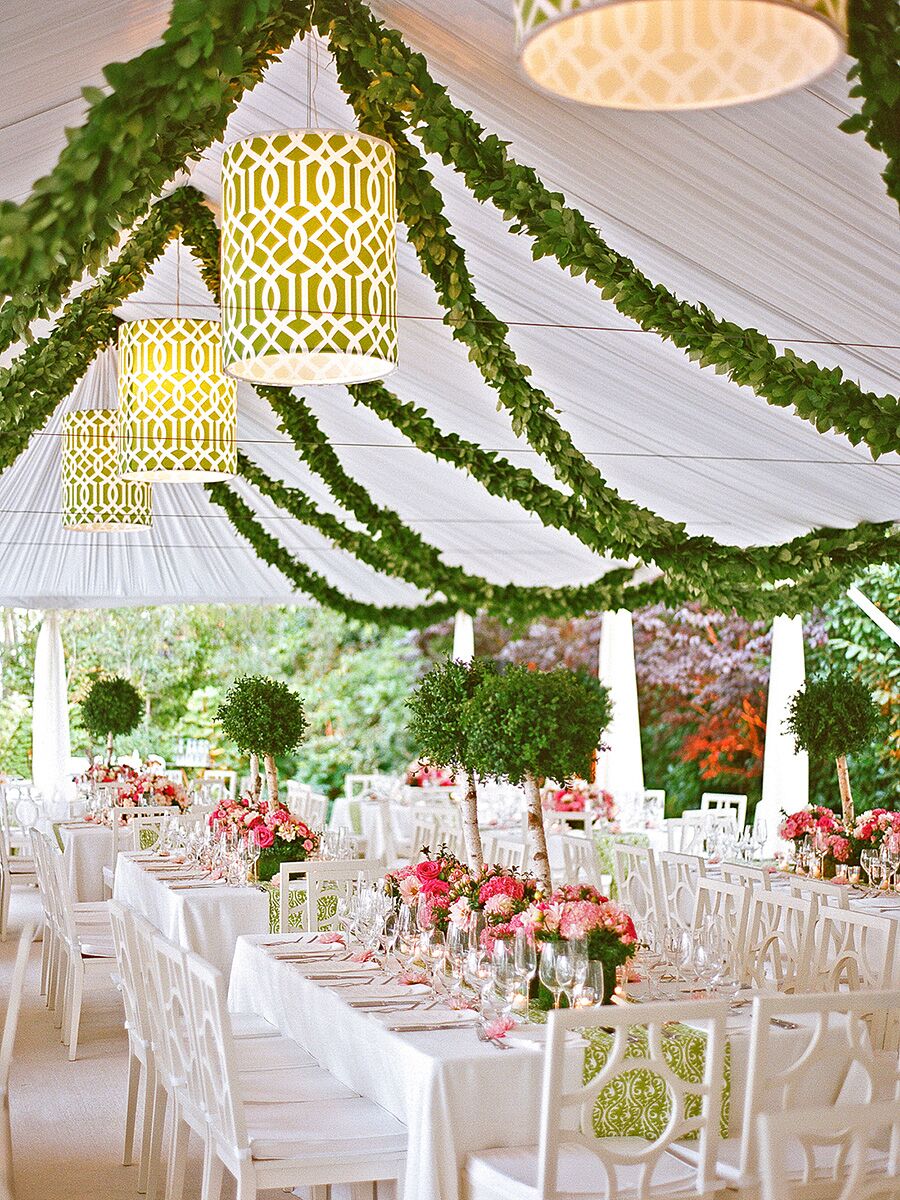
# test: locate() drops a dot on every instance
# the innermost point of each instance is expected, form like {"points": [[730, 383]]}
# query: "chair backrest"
{"points": [[755, 877], [829, 1056], [851, 1137], [509, 853], [14, 1003], [637, 1043], [780, 941], [679, 876], [853, 950], [214, 1053], [820, 891], [726, 802], [226, 778], [728, 905], [132, 980], [424, 833], [321, 885], [685, 837], [639, 889], [129, 824], [357, 786], [580, 861], [175, 1030]]}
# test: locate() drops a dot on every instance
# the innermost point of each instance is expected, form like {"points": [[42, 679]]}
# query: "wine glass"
{"points": [[548, 969], [503, 972], [434, 949], [407, 933], [457, 948], [526, 959], [591, 990]]}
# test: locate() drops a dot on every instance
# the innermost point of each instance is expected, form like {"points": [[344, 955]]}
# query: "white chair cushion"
{"points": [[244, 1025], [96, 947], [729, 1156], [323, 1131], [271, 1054], [21, 866], [511, 1174], [293, 1085]]}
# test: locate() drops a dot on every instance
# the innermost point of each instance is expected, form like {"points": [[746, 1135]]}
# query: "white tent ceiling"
{"points": [[768, 213]]}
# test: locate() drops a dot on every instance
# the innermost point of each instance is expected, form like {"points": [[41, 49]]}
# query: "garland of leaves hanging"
{"points": [[173, 101], [165, 105], [399, 79], [875, 44]]}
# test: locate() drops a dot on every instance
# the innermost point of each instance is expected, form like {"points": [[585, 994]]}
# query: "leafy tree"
{"points": [[112, 708], [439, 726], [527, 726], [264, 718], [830, 717]]}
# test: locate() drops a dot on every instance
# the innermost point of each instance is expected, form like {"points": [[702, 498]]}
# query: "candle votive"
{"points": [[853, 874]]}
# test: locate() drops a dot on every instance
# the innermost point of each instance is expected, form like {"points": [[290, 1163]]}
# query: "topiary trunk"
{"points": [[271, 779], [471, 832], [255, 777], [846, 795], [537, 838]]}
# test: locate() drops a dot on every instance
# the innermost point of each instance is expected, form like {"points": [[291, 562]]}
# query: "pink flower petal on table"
{"points": [[412, 976], [362, 956], [329, 938], [499, 1028]]}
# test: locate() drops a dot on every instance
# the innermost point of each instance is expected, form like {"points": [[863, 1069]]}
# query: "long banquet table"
{"points": [[207, 919], [455, 1094], [87, 849]]}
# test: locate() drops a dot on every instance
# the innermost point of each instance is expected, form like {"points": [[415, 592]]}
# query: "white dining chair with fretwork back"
{"points": [[275, 1129], [752, 875], [310, 893], [780, 941], [733, 803], [569, 1159], [853, 951], [679, 878], [639, 888], [803, 1049], [820, 892], [580, 861], [727, 906], [7, 1045]]}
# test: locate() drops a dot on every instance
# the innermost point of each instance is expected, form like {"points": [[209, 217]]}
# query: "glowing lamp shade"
{"points": [[95, 498], [309, 271], [677, 54], [177, 408]]}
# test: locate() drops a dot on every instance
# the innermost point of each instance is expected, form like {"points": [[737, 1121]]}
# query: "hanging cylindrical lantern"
{"points": [[309, 272], [95, 498], [677, 54], [177, 408]]}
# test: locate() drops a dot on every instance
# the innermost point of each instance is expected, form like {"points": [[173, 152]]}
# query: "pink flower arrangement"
{"points": [[152, 789], [580, 911], [274, 829], [807, 821], [422, 774], [99, 772], [839, 843], [581, 796]]}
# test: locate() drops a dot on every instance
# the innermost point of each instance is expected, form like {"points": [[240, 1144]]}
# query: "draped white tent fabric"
{"points": [[785, 784], [804, 256], [50, 741], [620, 767]]}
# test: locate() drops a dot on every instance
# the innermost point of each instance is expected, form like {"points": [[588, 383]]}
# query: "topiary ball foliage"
{"points": [[112, 706], [263, 716], [439, 707], [832, 715], [546, 724]]}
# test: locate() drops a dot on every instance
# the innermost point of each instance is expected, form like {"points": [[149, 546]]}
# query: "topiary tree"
{"points": [[528, 725], [111, 708], [263, 717], [832, 716], [439, 707]]}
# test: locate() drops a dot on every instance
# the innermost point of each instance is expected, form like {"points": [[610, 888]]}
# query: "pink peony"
{"points": [[409, 889], [500, 906], [501, 885], [840, 849], [435, 887]]}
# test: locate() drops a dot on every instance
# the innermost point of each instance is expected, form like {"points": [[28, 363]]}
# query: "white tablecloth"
{"points": [[455, 1094], [87, 849], [207, 920]]}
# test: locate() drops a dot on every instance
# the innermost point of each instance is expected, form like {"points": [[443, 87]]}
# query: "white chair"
{"points": [[569, 1160], [317, 1133], [820, 891], [357, 786], [638, 884], [852, 1137], [728, 906], [227, 779], [780, 941], [825, 1054], [679, 877], [322, 885], [747, 873], [14, 869], [10, 1028], [853, 950], [509, 853], [580, 861], [732, 803]]}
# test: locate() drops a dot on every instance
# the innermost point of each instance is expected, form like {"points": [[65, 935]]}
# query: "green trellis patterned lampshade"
{"points": [[309, 273], [177, 407], [95, 498], [677, 54]]}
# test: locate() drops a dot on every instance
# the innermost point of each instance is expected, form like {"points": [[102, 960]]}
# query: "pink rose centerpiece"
{"points": [[423, 774], [280, 835], [581, 797], [837, 844], [151, 789]]}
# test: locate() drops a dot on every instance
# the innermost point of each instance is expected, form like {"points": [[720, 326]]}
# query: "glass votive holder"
{"points": [[853, 875]]}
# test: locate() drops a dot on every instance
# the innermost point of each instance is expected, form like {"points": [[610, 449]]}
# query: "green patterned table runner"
{"points": [[326, 909], [636, 1103]]}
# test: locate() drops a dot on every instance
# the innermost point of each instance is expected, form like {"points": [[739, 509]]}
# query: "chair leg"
{"points": [[211, 1188], [134, 1079], [75, 1005], [149, 1100], [178, 1146], [246, 1187], [45, 960], [5, 888], [154, 1148]]}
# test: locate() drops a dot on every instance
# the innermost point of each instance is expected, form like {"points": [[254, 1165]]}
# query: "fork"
{"points": [[483, 1037]]}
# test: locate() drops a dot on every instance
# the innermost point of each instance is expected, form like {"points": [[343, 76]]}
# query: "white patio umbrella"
{"points": [[51, 745]]}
